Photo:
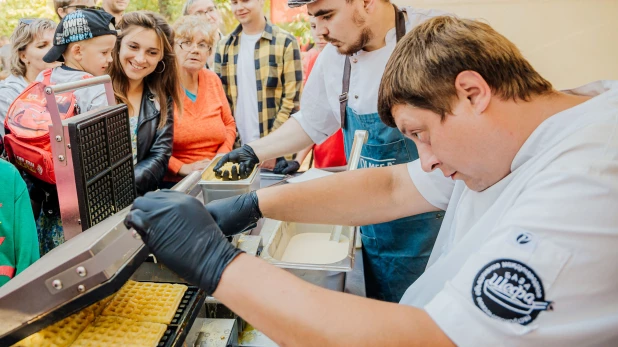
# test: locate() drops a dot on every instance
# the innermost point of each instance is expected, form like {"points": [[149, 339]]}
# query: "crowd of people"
{"points": [[187, 101], [486, 197]]}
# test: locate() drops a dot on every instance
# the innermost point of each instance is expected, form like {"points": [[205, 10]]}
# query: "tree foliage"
{"points": [[13, 10]]}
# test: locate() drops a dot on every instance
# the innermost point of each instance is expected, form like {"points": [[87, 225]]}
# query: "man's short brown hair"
{"points": [[422, 70], [60, 4]]}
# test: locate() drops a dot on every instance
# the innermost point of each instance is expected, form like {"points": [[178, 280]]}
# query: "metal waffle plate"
{"points": [[103, 163], [188, 309]]}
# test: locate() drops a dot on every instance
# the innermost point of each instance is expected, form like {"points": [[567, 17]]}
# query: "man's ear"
{"points": [[369, 5], [472, 86]]}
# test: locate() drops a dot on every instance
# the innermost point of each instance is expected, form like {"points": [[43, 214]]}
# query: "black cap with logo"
{"points": [[79, 26], [299, 3]]}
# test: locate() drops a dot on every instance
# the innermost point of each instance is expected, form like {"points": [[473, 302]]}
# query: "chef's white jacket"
{"points": [[532, 260]]}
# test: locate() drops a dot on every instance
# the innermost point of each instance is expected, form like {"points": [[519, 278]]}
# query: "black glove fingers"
{"points": [[145, 204], [293, 166], [242, 170], [221, 162], [135, 220], [225, 175], [235, 173]]}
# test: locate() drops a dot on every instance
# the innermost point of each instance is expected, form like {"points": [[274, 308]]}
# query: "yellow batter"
{"points": [[209, 175], [315, 248]]}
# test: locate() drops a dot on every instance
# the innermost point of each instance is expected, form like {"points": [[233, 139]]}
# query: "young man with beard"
{"points": [[363, 34], [261, 70], [526, 255], [116, 8]]}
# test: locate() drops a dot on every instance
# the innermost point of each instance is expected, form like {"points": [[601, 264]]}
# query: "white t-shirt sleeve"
{"points": [[433, 186], [546, 273], [316, 115], [91, 98]]}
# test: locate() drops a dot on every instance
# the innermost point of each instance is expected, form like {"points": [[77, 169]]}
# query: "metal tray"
{"points": [[331, 276], [215, 189]]}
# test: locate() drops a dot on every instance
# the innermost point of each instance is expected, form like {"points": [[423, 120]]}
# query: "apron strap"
{"points": [[400, 31], [343, 98]]}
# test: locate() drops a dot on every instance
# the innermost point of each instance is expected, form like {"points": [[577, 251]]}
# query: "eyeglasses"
{"points": [[203, 13], [83, 7], [188, 45], [27, 21]]}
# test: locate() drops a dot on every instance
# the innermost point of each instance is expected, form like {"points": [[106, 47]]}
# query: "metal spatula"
{"points": [[360, 138]]}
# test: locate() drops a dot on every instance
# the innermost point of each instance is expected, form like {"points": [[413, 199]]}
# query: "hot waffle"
{"points": [[120, 332], [146, 302], [59, 334], [97, 308]]}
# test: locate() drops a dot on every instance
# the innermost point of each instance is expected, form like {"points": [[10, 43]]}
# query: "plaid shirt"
{"points": [[278, 73]]}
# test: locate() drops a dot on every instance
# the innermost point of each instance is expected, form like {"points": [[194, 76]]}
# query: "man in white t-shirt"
{"points": [[342, 93], [261, 72], [528, 176]]}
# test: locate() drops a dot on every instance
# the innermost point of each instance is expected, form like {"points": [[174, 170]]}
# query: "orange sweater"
{"points": [[205, 128]]}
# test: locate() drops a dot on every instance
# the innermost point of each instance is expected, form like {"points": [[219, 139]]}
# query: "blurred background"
{"points": [[570, 42]]}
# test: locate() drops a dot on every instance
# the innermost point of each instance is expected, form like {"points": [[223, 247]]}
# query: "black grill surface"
{"points": [[103, 164], [188, 309]]}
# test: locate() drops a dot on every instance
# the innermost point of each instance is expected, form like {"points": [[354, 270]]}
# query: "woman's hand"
{"points": [[269, 164], [186, 169]]}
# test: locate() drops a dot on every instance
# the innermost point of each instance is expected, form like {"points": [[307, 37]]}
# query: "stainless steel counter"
{"points": [[217, 326]]}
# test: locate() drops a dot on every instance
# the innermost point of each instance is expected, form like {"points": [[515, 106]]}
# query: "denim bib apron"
{"points": [[395, 253]]}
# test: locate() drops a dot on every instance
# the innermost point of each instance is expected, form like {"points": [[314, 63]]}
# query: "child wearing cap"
{"points": [[83, 42]]}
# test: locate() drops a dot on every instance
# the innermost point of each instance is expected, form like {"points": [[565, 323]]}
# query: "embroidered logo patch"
{"points": [[510, 291], [524, 238]]}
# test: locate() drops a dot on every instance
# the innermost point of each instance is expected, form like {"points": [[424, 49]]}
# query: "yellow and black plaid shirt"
{"points": [[278, 74]]}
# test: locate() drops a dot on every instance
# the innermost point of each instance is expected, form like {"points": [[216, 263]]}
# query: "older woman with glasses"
{"points": [[206, 127], [31, 39]]}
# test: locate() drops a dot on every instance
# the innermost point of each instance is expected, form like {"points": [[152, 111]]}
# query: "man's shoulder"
{"points": [[281, 33], [419, 15]]}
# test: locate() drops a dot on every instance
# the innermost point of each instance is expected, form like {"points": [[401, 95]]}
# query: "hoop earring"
{"points": [[161, 69]]}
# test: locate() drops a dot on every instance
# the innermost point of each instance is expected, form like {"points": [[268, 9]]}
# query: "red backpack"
{"points": [[27, 124]]}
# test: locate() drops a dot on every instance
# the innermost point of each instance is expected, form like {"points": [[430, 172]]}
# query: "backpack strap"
{"points": [[47, 76]]}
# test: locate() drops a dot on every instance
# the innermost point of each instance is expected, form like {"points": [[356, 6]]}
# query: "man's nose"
{"points": [[429, 161], [321, 29]]}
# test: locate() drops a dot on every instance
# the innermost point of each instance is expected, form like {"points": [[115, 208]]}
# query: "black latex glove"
{"points": [[286, 167], [183, 236], [236, 213], [246, 159]]}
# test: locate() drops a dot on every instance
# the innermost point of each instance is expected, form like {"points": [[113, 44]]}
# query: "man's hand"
{"points": [[236, 213], [181, 233], [245, 158], [286, 167]]}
